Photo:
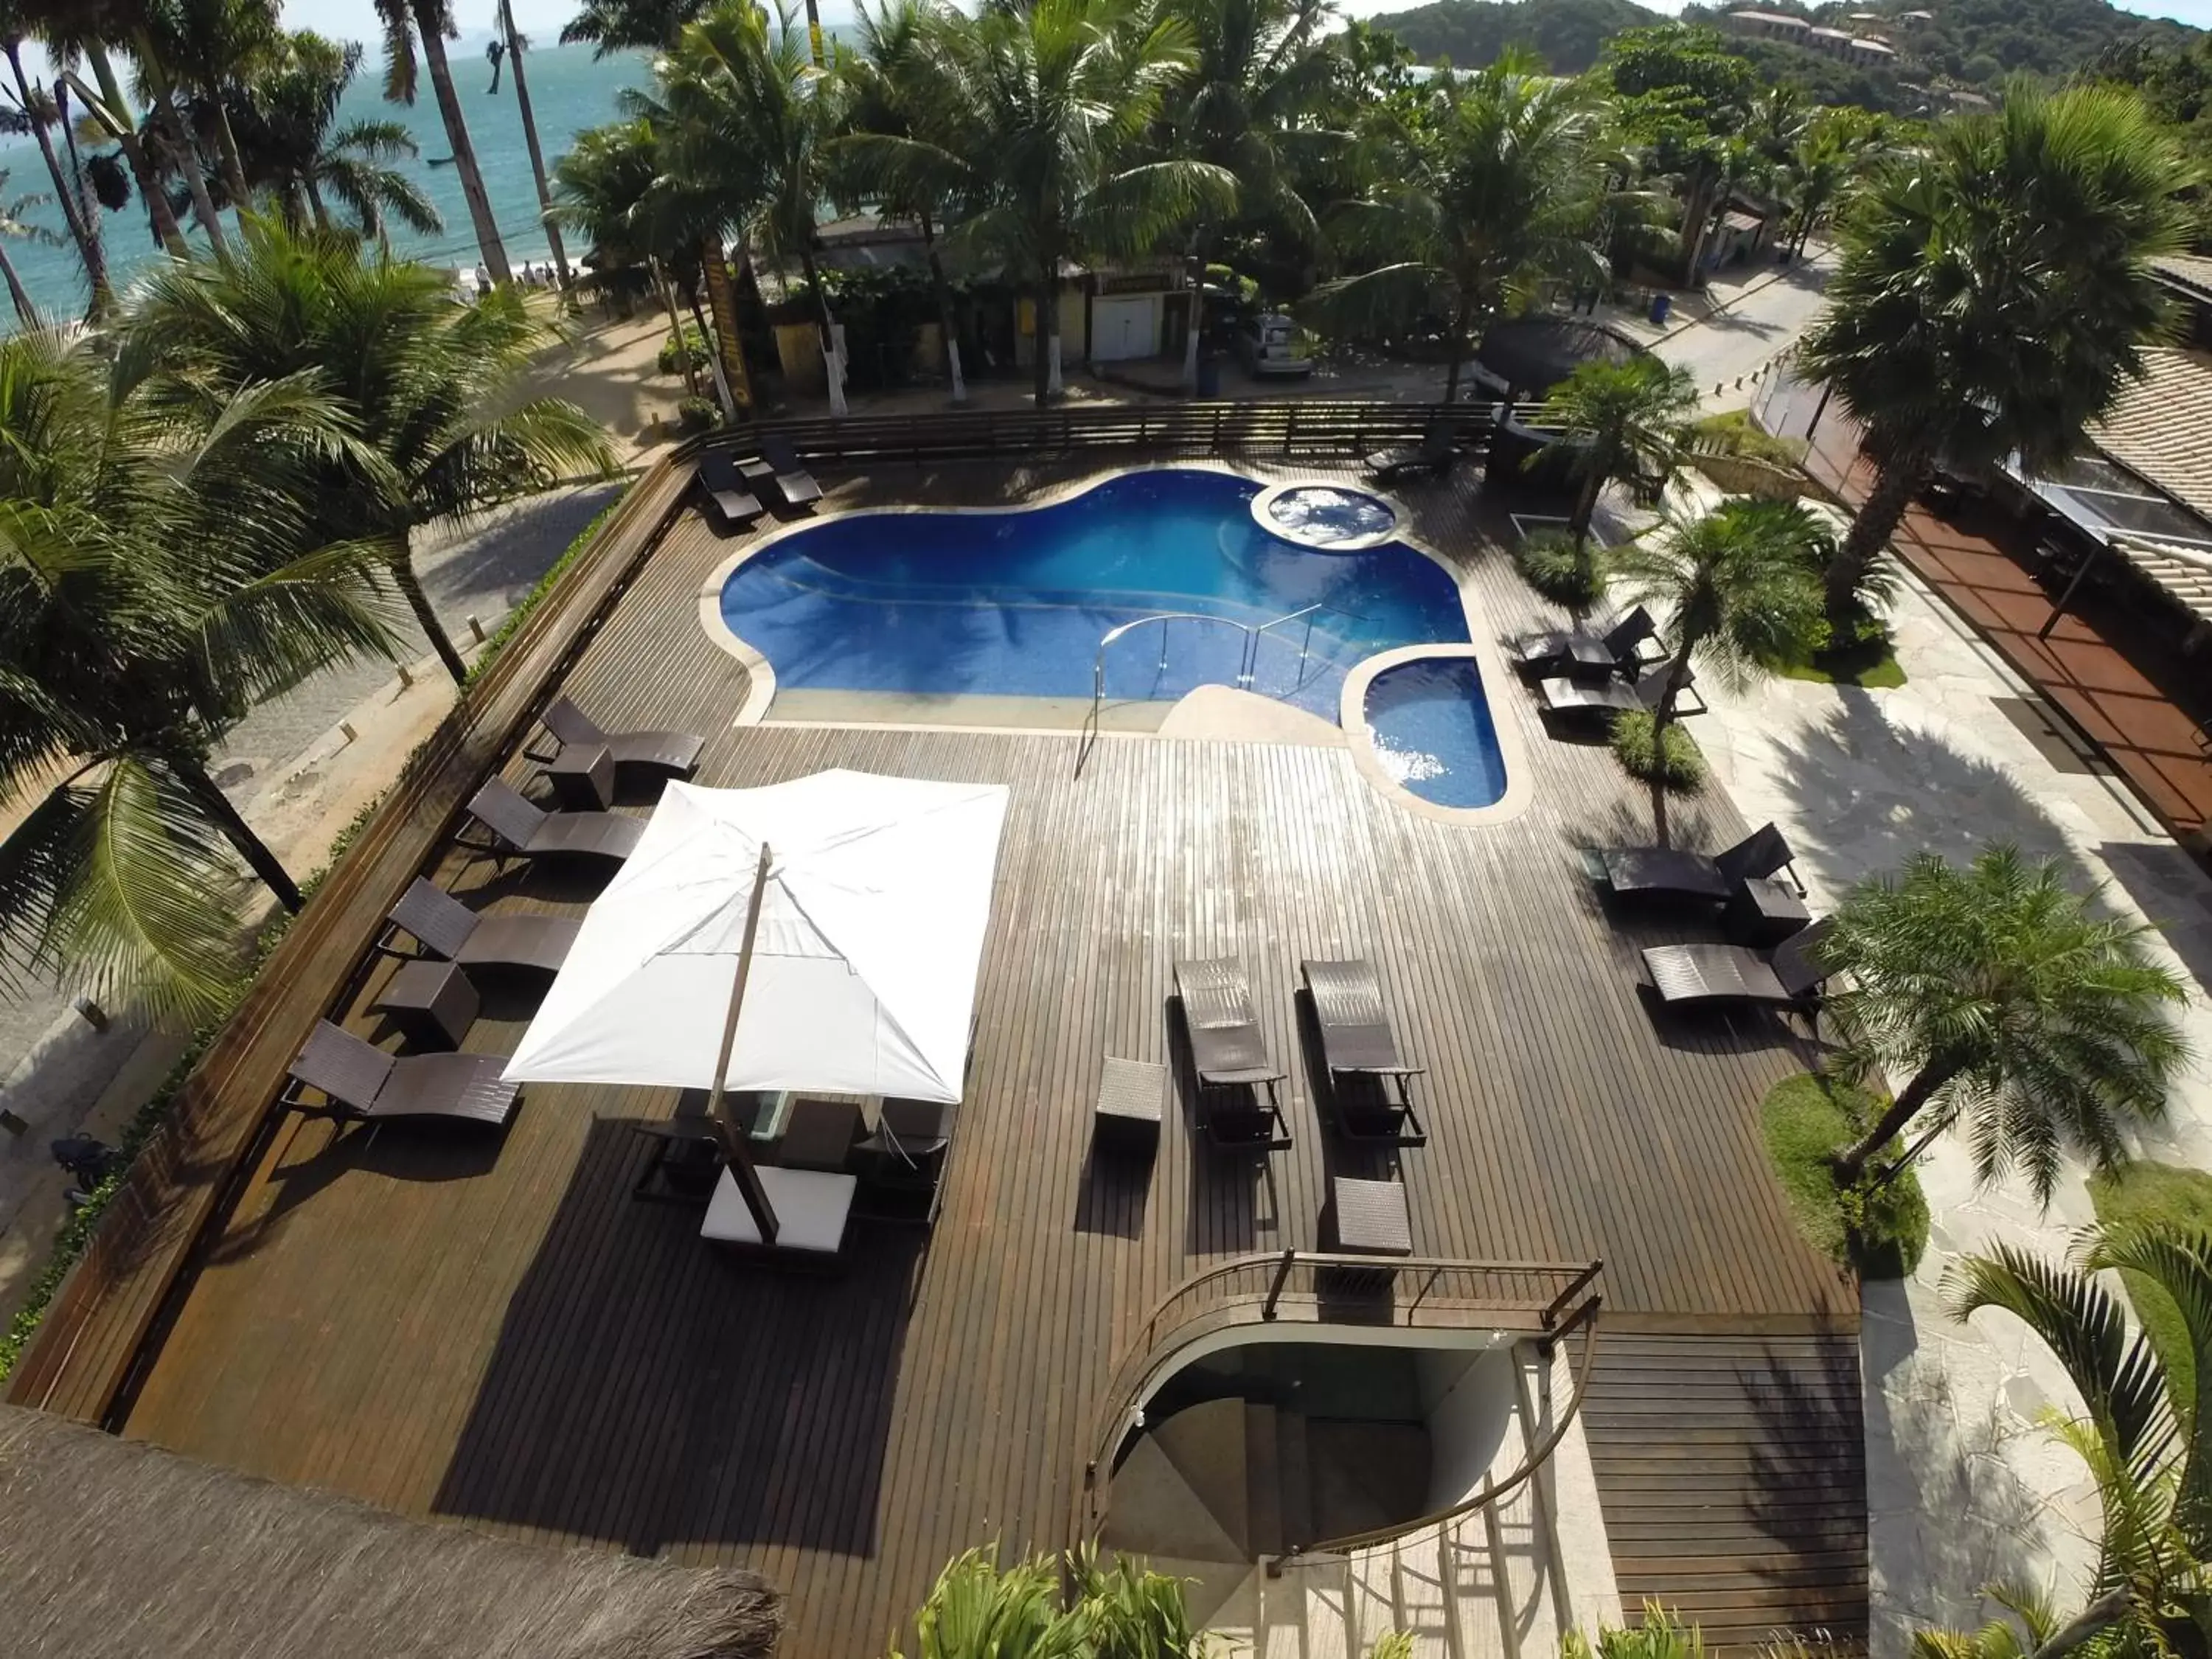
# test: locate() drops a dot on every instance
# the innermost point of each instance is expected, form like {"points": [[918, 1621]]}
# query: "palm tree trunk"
{"points": [[189, 770], [947, 325], [87, 243], [26, 313], [151, 190], [530, 141], [1585, 508], [1196, 327], [667, 289], [428, 27], [1678, 672], [168, 118], [833, 361], [1852, 1160], [1457, 347], [728, 344], [1048, 306], [1877, 521], [315, 203], [233, 164], [410, 586], [814, 33]]}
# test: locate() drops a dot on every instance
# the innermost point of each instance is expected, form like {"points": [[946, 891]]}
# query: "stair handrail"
{"points": [[1115, 633], [1584, 1318], [1172, 1326]]}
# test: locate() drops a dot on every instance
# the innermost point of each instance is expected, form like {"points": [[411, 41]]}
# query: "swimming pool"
{"points": [[1014, 603], [1432, 732]]}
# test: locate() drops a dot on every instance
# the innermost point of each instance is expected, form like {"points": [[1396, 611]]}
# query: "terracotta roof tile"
{"points": [[2162, 427]]}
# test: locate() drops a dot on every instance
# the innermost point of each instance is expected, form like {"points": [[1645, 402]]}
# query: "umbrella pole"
{"points": [[734, 1137]]}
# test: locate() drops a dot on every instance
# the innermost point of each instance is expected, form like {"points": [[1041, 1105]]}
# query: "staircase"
{"points": [[1219, 1492]]}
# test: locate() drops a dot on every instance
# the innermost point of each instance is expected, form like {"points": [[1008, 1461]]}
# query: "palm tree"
{"points": [[1995, 294], [1476, 209], [1261, 65], [2142, 1439], [1060, 95], [159, 576], [141, 27], [1737, 591], [2011, 1006], [629, 25], [614, 185], [414, 33], [905, 145], [35, 109], [746, 117], [69, 33], [430, 386], [1618, 421], [291, 148], [14, 227], [1834, 151], [215, 46], [515, 45]]}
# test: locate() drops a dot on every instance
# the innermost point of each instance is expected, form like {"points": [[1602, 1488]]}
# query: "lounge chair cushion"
{"points": [[467, 1086], [542, 942], [1355, 1029], [1664, 869], [811, 1209], [603, 834], [1698, 973]]}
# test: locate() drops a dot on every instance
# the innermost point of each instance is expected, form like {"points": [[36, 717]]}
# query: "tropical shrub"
{"points": [[1679, 767], [686, 355], [1566, 570]]}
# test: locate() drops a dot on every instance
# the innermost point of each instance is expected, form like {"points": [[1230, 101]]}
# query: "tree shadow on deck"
{"points": [[649, 1389], [1807, 1491]]}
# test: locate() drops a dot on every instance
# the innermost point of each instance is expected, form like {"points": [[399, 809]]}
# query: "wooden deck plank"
{"points": [[490, 1329]]}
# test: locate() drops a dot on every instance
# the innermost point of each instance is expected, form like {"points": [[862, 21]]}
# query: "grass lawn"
{"points": [[2170, 1198], [1805, 1119], [1872, 665]]}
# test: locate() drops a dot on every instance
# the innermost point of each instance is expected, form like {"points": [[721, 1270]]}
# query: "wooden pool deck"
{"points": [[490, 1329]]}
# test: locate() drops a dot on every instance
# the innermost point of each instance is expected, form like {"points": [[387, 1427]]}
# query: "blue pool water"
{"points": [[1432, 731], [1318, 514], [1016, 603]]}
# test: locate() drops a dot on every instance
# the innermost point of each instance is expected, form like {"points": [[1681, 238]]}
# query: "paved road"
{"points": [[1746, 334]]}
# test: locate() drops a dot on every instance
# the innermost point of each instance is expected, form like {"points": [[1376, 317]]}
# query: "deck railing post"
{"points": [[1427, 1285], [1574, 1288], [1283, 1265]]}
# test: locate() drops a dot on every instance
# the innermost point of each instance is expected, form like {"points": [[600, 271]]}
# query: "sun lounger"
{"points": [[1433, 455], [1572, 699], [521, 830], [1590, 656], [1368, 1077], [779, 469], [813, 1211], [661, 751], [1674, 872], [1229, 1051], [1712, 975], [725, 490], [361, 1080], [444, 926]]}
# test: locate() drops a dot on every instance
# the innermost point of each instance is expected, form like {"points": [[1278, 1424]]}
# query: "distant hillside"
{"points": [[1976, 42], [1569, 33]]}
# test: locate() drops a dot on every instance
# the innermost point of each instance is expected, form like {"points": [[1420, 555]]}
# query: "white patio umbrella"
{"points": [[872, 918]]}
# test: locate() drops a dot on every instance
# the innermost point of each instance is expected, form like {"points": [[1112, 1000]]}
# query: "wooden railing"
{"points": [[1546, 1300], [1285, 427], [90, 1343]]}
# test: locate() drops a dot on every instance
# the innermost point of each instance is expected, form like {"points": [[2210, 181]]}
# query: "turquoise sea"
{"points": [[568, 91]]}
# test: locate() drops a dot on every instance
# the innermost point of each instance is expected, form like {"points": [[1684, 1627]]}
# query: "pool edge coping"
{"points": [[1360, 735], [1359, 739]]}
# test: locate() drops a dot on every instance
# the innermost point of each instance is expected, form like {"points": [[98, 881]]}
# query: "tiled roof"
{"points": [[2162, 427], [2191, 270]]}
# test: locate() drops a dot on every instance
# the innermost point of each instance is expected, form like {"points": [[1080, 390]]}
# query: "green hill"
{"points": [[1974, 42]]}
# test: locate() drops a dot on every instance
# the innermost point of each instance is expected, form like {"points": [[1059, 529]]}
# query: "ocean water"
{"points": [[568, 91], [1016, 603]]}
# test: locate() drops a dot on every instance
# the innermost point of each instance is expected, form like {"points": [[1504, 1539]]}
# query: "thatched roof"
{"points": [[1534, 352], [113, 1548]]}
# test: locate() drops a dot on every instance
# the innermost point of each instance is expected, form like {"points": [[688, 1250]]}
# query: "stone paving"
{"points": [[1964, 1487]]}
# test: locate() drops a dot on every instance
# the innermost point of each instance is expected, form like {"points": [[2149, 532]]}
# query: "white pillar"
{"points": [[952, 359]]}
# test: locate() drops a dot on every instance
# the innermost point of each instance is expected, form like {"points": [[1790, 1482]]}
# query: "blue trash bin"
{"points": [[1209, 376], [1661, 304]]}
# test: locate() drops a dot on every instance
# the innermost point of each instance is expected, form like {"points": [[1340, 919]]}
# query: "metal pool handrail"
{"points": [[1164, 617]]}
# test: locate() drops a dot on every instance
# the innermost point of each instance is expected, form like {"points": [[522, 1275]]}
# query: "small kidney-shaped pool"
{"points": [[1430, 729]]}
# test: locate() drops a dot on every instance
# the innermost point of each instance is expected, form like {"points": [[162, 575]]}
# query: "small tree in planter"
{"points": [[1618, 421], [1738, 591]]}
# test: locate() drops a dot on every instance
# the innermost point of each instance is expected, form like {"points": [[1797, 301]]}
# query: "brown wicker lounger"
{"points": [[1434, 455], [521, 830], [779, 469], [1229, 1051], [1673, 873], [1603, 699], [725, 490], [662, 752], [362, 1081], [1365, 1070], [1708, 975], [1591, 656], [444, 926]]}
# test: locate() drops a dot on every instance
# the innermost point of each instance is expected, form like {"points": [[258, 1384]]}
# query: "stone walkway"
{"points": [[1964, 1487]]}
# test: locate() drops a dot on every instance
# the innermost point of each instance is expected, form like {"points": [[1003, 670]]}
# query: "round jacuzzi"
{"points": [[1331, 517]]}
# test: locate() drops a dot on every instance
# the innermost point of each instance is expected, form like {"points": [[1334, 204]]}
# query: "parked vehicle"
{"points": [[1269, 344]]}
